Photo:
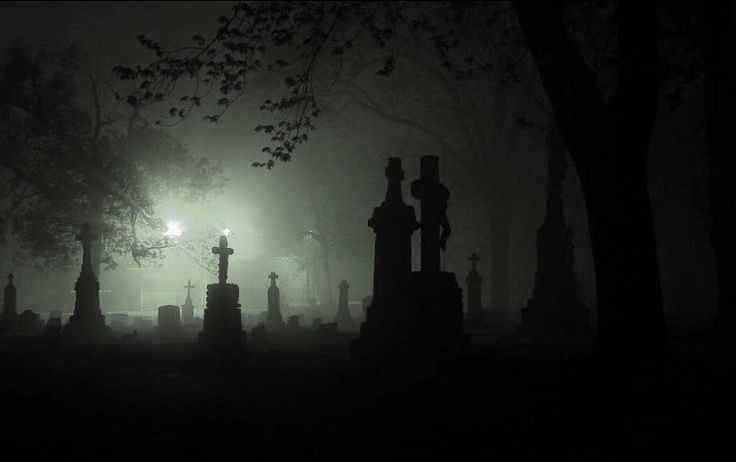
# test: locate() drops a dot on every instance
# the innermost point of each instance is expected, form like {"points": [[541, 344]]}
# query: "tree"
{"points": [[66, 164], [609, 143]]}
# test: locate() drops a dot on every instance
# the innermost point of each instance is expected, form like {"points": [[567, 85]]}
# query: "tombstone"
{"points": [[169, 322], [327, 329], [28, 321], [316, 323], [474, 316], [555, 308], [187, 309], [293, 324], [343, 318], [53, 327], [367, 300], [274, 320], [87, 322], [413, 312], [9, 316], [119, 320], [223, 328], [259, 333], [55, 315]]}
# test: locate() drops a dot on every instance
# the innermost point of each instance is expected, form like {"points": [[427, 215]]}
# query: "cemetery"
{"points": [[367, 230]]}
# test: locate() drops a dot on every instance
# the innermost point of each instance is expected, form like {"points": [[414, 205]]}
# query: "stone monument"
{"points": [[169, 322], [222, 328], [555, 308], [9, 316], [474, 316], [87, 321], [274, 320], [187, 309], [343, 318]]}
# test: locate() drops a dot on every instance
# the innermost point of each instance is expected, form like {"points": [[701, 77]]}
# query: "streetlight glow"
{"points": [[173, 229]]}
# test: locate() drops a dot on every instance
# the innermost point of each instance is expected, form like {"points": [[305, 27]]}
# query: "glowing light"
{"points": [[173, 229], [226, 231]]}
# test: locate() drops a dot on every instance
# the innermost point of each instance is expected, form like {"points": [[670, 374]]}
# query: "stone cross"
{"points": [[473, 260], [434, 196], [273, 276], [223, 251], [189, 287], [86, 237]]}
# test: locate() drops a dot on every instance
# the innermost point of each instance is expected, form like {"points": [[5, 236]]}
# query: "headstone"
{"points": [[223, 329], [259, 333], [423, 311], [316, 322], [28, 321], [53, 327], [555, 308], [274, 320], [187, 309], [343, 318], [169, 322], [87, 322], [328, 328], [367, 300], [9, 316], [474, 316], [293, 324]]}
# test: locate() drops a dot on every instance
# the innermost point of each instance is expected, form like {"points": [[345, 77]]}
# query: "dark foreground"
{"points": [[304, 399]]}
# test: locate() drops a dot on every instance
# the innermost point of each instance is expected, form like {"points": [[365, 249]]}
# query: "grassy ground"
{"points": [[507, 398]]}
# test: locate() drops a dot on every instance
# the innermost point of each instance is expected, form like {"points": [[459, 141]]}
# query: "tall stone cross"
{"points": [[273, 276], [189, 287], [223, 251], [86, 237], [435, 228], [474, 260]]}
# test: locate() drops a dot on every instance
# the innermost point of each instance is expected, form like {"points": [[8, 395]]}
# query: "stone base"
{"points": [[428, 321], [274, 322], [222, 328], [570, 319], [85, 328]]}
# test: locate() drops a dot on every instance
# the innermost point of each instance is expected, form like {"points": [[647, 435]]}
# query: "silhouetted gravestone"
{"points": [[28, 321], [343, 318], [420, 312], [53, 327], [169, 322], [293, 324], [367, 300], [316, 322], [474, 316], [9, 317], [555, 308], [327, 328], [55, 314], [187, 309], [87, 322], [274, 320], [222, 327], [259, 333]]}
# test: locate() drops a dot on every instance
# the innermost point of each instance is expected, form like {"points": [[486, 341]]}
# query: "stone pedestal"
{"points": [[87, 322], [9, 316], [274, 319], [475, 319], [222, 328], [343, 318]]}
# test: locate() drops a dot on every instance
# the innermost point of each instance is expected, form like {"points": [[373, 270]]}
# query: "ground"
{"points": [[303, 398]]}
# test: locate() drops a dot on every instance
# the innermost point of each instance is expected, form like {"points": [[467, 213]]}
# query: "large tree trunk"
{"points": [[609, 145], [720, 78]]}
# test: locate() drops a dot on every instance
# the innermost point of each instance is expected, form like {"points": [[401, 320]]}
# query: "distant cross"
{"points": [[473, 260], [273, 276], [223, 251], [189, 287], [86, 237], [10, 279]]}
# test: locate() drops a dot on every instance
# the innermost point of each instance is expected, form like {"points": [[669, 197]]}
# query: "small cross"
{"points": [[189, 286], [273, 276], [223, 251], [473, 260], [10, 279]]}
